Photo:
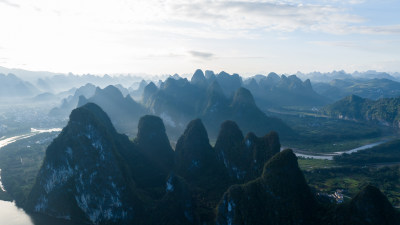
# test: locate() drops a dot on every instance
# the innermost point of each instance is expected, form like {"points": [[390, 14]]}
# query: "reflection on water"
{"points": [[10, 140], [363, 147], [6, 141], [330, 156], [1, 184], [10, 214]]}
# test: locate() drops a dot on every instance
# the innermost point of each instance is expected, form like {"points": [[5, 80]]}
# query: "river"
{"points": [[329, 156], [6, 141], [10, 214]]}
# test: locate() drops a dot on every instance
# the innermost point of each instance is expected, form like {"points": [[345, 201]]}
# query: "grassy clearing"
{"points": [[310, 164]]}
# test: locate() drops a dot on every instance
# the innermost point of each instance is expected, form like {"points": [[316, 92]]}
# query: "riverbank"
{"points": [[329, 156], [6, 141]]}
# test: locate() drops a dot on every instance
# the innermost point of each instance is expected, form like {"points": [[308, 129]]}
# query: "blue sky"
{"points": [[178, 36]]}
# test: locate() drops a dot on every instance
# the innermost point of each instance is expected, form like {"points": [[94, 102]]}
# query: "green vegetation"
{"points": [[353, 171], [20, 162], [386, 153], [366, 88], [310, 164], [382, 111], [321, 134], [353, 179], [280, 192]]}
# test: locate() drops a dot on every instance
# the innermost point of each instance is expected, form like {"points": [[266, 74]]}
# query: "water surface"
{"points": [[10, 214], [331, 155]]}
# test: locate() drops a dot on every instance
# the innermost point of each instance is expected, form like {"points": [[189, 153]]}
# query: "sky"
{"points": [[179, 36]]}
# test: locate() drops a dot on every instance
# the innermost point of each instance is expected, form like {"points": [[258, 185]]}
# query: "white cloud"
{"points": [[6, 2], [250, 15], [124, 34], [384, 29], [201, 54]]}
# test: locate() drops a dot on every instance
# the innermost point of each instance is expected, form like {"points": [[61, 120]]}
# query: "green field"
{"points": [[320, 134], [310, 164]]}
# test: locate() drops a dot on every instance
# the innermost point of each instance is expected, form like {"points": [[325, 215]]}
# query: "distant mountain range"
{"points": [[177, 101], [123, 111], [91, 174], [328, 77], [71, 102], [57, 82], [273, 90], [384, 111], [218, 97], [366, 88], [12, 86]]}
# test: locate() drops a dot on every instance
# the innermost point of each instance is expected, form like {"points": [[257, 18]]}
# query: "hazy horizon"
{"points": [[6, 71]]}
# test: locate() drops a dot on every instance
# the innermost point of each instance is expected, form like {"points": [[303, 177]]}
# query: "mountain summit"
{"points": [[79, 179]]}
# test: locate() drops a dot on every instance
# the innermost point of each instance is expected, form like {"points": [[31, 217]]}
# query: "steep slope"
{"points": [[366, 88], [12, 86], [280, 196], [123, 111], [138, 92], [177, 207], [178, 101], [274, 91], [148, 91], [84, 176], [93, 175], [196, 160], [244, 158], [229, 150], [249, 117], [384, 111], [71, 102], [198, 78], [216, 106], [153, 143], [229, 83], [368, 207], [350, 107]]}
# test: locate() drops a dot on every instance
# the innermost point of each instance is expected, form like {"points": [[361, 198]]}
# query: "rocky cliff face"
{"points": [[93, 175], [195, 159], [280, 196], [123, 111], [83, 176], [368, 207], [384, 111], [244, 158], [199, 79], [152, 142], [274, 90]]}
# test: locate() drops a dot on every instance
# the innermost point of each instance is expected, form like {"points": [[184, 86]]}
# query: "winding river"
{"points": [[10, 214], [329, 156], [6, 141]]}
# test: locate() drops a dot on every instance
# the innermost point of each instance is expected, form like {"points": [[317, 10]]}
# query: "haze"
{"points": [[167, 37]]}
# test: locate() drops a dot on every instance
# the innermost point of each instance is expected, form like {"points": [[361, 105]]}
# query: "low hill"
{"points": [[383, 111]]}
